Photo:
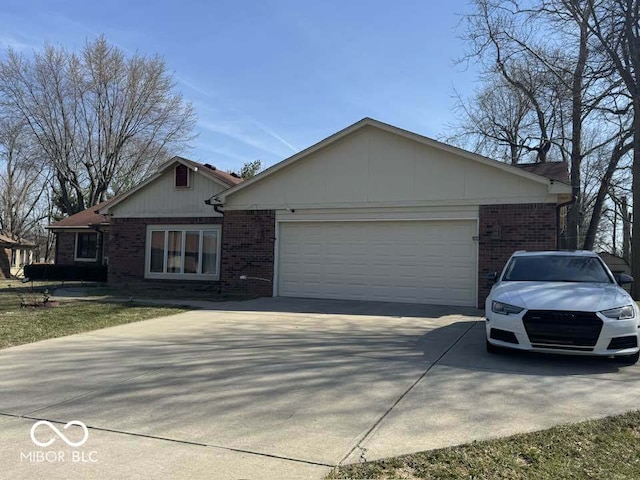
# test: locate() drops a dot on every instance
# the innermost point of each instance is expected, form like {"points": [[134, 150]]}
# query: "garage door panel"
{"points": [[404, 261]]}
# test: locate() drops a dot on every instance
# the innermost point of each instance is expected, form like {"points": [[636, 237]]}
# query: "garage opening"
{"points": [[431, 262]]}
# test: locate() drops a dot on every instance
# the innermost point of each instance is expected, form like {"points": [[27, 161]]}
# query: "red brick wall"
{"points": [[65, 246], [127, 248], [504, 229], [248, 238]]}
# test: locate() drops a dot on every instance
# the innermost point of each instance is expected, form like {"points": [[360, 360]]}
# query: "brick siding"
{"points": [[66, 245], [126, 250], [504, 229], [65, 248], [248, 238]]}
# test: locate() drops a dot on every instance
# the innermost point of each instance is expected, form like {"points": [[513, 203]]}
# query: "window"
{"points": [[14, 257], [556, 268], [86, 247], [182, 176], [188, 252]]}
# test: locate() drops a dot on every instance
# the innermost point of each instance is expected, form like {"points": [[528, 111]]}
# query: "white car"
{"points": [[562, 302]]}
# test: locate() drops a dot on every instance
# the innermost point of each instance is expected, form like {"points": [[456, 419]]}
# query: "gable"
{"points": [[375, 166], [160, 198]]}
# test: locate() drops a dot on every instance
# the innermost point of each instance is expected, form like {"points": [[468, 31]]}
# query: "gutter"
{"points": [[216, 206]]}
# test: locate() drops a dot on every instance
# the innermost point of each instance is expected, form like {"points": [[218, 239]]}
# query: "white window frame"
{"points": [[181, 228], [75, 248]]}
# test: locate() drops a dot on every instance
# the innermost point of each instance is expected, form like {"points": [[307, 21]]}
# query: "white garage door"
{"points": [[392, 261]]}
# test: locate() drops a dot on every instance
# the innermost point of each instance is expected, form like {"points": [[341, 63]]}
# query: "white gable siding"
{"points": [[161, 199], [373, 167]]}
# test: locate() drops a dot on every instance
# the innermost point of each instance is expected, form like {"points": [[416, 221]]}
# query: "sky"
{"points": [[269, 78]]}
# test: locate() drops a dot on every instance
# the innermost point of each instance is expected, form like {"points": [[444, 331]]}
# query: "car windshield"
{"points": [[555, 268]]}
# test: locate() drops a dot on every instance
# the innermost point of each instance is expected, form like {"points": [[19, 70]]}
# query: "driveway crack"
{"points": [[368, 433], [175, 440], [88, 393]]}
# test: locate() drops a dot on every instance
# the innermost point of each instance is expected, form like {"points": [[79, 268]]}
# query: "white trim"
{"points": [[397, 131], [477, 242], [449, 212], [394, 219], [75, 248], [472, 202], [183, 228], [276, 260], [181, 214]]}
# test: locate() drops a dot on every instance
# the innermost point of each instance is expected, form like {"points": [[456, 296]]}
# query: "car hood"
{"points": [[582, 297]]}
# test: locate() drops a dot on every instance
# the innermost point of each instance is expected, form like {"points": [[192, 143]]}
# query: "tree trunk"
{"points": [[573, 215], [616, 154], [635, 232]]}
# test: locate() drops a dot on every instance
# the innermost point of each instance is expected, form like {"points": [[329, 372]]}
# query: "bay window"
{"points": [[187, 252]]}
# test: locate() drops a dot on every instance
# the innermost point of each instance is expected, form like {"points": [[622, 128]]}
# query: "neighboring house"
{"points": [[615, 263], [14, 255], [372, 212]]}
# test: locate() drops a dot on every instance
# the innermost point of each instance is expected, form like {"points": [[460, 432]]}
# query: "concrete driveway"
{"points": [[282, 388]]}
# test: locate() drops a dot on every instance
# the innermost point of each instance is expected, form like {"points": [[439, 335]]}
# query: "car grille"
{"points": [[570, 329]]}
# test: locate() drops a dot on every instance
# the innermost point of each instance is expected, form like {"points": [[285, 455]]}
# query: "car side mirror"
{"points": [[623, 278], [492, 277]]}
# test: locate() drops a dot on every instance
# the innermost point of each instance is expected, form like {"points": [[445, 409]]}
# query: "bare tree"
{"points": [[23, 182], [99, 119], [249, 169], [544, 51], [496, 121], [615, 24]]}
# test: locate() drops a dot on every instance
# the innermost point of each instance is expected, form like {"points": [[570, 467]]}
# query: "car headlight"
{"points": [[504, 308], [620, 313]]}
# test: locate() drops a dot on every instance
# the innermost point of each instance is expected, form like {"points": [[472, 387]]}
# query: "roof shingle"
{"points": [[228, 178], [84, 218], [10, 242], [558, 171]]}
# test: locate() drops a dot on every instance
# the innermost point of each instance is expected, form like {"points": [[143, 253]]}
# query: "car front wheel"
{"points": [[493, 349], [628, 359]]}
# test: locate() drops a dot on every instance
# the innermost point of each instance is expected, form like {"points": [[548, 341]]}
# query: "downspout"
{"points": [[217, 207], [558, 207]]}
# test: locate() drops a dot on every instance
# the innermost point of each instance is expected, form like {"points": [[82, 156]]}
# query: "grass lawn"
{"points": [[20, 325], [604, 449]]}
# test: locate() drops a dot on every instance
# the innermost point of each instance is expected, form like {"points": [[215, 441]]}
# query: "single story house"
{"points": [[14, 255], [372, 212]]}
